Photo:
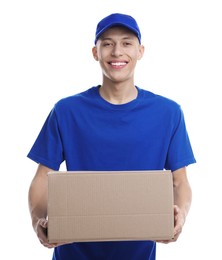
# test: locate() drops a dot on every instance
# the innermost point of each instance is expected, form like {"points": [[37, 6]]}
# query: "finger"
{"points": [[177, 230], [43, 222], [48, 245], [176, 209]]}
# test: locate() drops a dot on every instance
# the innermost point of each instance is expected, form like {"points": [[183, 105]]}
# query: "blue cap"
{"points": [[115, 20]]}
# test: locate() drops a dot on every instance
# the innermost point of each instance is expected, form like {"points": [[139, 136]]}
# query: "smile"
{"points": [[118, 64]]}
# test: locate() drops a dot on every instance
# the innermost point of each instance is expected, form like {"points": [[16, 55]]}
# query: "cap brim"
{"points": [[117, 24]]}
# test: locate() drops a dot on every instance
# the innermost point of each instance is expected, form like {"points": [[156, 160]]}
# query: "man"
{"points": [[112, 126]]}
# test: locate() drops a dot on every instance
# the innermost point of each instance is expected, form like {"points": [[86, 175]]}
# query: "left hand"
{"points": [[179, 221]]}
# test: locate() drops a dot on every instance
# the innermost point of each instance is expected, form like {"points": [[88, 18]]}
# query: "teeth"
{"points": [[118, 63]]}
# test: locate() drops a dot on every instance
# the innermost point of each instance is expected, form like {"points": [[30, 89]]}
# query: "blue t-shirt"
{"points": [[89, 133]]}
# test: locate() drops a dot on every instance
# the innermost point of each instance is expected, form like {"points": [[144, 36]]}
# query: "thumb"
{"points": [[43, 222], [176, 209]]}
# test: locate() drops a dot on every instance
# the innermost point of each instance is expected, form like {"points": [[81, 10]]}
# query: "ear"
{"points": [[94, 52], [141, 52]]}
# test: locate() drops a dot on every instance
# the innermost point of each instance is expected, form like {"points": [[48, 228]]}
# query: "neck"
{"points": [[118, 93]]}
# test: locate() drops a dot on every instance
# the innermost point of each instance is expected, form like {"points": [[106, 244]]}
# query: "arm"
{"points": [[182, 199], [38, 198]]}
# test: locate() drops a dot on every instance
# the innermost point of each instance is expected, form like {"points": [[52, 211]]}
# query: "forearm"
{"points": [[183, 198], [38, 200], [37, 204], [182, 191], [38, 196]]}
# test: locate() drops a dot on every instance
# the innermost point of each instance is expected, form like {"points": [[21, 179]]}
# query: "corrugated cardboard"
{"points": [[110, 206]]}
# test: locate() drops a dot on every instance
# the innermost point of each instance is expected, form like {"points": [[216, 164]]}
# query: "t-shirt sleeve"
{"points": [[180, 153], [48, 148]]}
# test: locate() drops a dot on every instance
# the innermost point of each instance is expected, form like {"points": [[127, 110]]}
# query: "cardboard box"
{"points": [[110, 206]]}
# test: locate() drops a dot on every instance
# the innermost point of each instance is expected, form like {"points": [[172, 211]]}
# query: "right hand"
{"points": [[41, 230]]}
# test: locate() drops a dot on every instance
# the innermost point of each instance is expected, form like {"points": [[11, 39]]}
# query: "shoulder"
{"points": [[160, 107], [76, 99], [159, 100]]}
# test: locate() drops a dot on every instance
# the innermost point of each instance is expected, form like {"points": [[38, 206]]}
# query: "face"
{"points": [[118, 50]]}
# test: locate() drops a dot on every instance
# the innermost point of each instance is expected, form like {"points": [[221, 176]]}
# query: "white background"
{"points": [[45, 54]]}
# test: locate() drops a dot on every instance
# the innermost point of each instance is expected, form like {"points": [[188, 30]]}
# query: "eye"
{"points": [[127, 43], [107, 44]]}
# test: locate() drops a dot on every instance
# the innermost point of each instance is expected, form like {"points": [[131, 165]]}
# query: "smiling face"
{"points": [[118, 50]]}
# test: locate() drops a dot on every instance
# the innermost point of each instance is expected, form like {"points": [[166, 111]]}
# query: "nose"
{"points": [[117, 50]]}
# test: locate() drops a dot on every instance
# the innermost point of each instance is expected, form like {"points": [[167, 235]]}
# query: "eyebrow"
{"points": [[109, 38]]}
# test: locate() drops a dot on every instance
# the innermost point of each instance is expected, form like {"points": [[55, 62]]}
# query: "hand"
{"points": [[179, 221], [41, 230]]}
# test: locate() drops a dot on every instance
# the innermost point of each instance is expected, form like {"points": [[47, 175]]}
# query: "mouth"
{"points": [[118, 64]]}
